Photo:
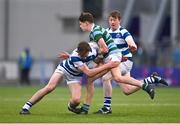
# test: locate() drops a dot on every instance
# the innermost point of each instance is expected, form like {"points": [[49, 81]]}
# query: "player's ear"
{"points": [[89, 49]]}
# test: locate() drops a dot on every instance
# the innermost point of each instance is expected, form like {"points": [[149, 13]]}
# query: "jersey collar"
{"points": [[116, 29], [92, 26]]}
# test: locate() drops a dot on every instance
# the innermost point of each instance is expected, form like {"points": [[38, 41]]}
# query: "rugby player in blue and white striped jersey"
{"points": [[126, 45], [72, 69]]}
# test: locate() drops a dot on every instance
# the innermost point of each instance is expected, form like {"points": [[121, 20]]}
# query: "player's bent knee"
{"points": [[127, 91]]}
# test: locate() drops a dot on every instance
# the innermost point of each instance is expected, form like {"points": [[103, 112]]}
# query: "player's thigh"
{"points": [[116, 57], [54, 80], [124, 86], [116, 72], [124, 69], [75, 89], [107, 76]]}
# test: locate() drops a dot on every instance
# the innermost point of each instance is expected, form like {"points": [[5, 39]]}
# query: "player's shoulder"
{"points": [[93, 44], [75, 58], [96, 30], [108, 29], [123, 30], [118, 30], [96, 27], [74, 53]]}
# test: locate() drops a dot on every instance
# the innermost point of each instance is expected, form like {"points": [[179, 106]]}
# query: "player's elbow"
{"points": [[105, 50], [135, 47]]}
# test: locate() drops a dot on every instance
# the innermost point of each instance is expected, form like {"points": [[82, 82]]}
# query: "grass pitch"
{"points": [[136, 108]]}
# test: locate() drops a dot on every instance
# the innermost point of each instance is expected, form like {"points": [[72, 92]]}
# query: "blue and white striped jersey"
{"points": [[74, 61], [120, 37]]}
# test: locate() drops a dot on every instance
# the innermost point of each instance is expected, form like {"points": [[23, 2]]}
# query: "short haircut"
{"points": [[115, 14], [86, 16], [83, 47]]}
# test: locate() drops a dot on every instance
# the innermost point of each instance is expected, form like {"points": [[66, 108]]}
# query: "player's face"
{"points": [[114, 23], [83, 26]]}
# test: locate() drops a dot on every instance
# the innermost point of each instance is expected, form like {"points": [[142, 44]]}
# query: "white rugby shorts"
{"points": [[113, 57], [68, 77]]}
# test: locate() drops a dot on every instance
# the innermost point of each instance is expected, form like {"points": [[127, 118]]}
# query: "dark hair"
{"points": [[115, 14], [86, 16], [83, 48]]}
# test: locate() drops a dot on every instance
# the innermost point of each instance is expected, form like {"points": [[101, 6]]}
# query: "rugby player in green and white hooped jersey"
{"points": [[100, 33], [109, 50]]}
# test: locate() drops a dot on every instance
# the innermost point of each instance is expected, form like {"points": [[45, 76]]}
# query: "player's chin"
{"points": [[83, 29]]}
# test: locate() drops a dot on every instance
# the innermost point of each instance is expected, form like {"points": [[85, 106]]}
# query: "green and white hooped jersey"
{"points": [[100, 32]]}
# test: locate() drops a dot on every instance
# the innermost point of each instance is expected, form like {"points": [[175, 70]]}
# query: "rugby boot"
{"points": [[24, 112], [158, 79], [104, 110]]}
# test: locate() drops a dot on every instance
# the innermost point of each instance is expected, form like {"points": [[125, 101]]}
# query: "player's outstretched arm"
{"points": [[63, 55], [92, 72]]}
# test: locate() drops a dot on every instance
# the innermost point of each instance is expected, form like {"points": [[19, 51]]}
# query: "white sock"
{"points": [[27, 105]]}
